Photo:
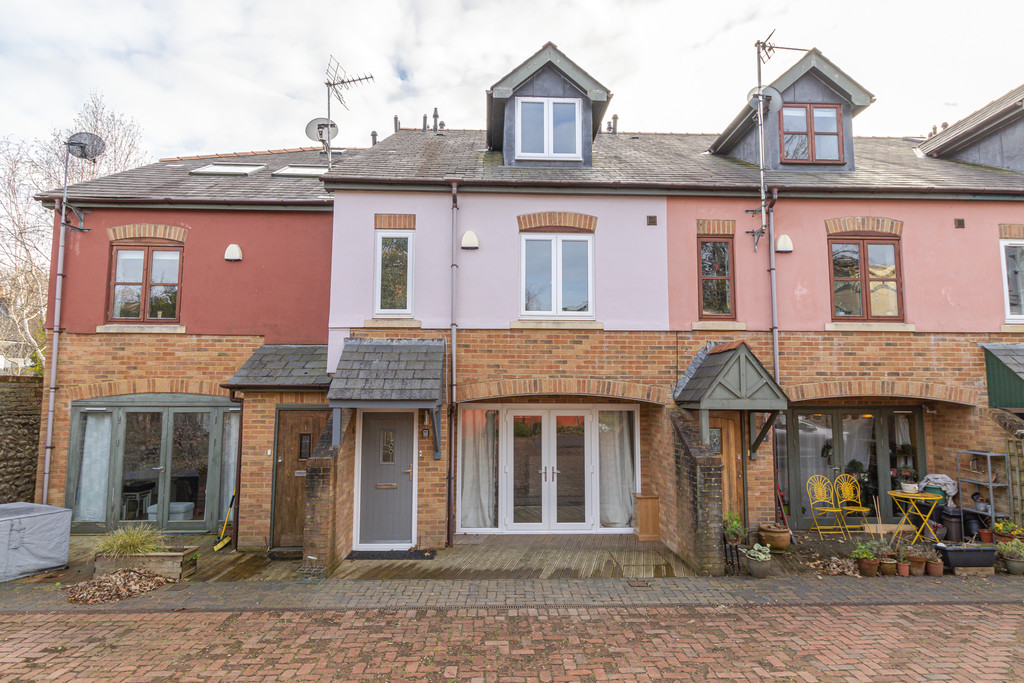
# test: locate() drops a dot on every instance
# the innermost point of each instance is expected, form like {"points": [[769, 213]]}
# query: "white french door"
{"points": [[548, 468]]}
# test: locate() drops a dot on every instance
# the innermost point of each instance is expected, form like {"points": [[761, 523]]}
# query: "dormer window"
{"points": [[548, 128], [811, 133]]}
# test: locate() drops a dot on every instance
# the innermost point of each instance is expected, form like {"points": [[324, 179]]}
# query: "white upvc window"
{"points": [[557, 276], [548, 128], [392, 274], [1012, 260]]}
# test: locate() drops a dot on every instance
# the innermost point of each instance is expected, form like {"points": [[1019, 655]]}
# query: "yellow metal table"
{"points": [[907, 503]]}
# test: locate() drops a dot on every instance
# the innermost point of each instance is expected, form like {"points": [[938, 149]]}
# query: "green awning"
{"points": [[1004, 371]]}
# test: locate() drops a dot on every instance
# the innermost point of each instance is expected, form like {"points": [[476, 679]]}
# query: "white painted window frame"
{"points": [[549, 128], [556, 240], [379, 236], [1003, 244]]}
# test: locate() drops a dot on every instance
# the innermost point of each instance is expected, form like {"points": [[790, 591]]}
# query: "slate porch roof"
{"points": [[706, 379], [170, 181], [409, 370], [275, 366], [660, 161]]}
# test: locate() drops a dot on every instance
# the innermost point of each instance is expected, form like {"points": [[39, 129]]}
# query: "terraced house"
{"points": [[544, 326]]}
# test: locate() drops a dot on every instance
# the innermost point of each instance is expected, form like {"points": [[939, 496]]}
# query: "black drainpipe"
{"points": [[238, 465]]}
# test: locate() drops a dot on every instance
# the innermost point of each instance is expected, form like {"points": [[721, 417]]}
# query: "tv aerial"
{"points": [[338, 81], [90, 147]]}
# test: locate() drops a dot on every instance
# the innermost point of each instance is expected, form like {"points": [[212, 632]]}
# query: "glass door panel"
{"points": [[141, 468], [570, 469], [816, 452], [93, 468], [862, 436], [528, 474], [190, 461]]}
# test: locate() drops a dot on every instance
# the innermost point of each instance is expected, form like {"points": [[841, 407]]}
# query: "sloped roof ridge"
{"points": [[243, 154], [947, 138]]}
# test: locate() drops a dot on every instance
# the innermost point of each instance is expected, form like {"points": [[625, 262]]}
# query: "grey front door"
{"points": [[386, 479]]}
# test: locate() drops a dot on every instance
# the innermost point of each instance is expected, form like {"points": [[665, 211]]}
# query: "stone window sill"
{"points": [[140, 329], [1012, 327], [406, 323], [556, 325], [718, 325], [870, 327]]}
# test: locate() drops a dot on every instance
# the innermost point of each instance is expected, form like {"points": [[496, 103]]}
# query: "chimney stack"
{"points": [[373, 138], [396, 123], [424, 123], [615, 124]]}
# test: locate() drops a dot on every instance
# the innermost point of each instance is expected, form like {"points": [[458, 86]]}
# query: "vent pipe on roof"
{"points": [[615, 124], [435, 119], [945, 125], [396, 123], [373, 138], [424, 123]]}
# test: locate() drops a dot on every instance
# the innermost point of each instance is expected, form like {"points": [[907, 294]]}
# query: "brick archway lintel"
{"points": [[645, 393], [885, 226], [886, 388], [145, 386], [556, 220], [175, 233]]}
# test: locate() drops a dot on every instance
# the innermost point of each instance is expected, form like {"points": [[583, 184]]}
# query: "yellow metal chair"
{"points": [[819, 494], [847, 490]]}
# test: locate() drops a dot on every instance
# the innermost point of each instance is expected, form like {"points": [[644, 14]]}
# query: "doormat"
{"points": [[391, 555]]}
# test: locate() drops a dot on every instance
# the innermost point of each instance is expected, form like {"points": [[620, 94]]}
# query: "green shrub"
{"points": [[863, 551], [1014, 550], [131, 539], [759, 552], [731, 527]]}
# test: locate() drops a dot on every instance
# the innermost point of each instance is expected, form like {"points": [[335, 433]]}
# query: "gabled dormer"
{"points": [[811, 129], [546, 112], [991, 136]]}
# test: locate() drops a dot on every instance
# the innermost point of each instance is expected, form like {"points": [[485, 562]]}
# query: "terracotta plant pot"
{"points": [[1002, 538], [903, 569], [1015, 567], [916, 565], [759, 569], [887, 567], [867, 567], [775, 535], [985, 535], [934, 568]]}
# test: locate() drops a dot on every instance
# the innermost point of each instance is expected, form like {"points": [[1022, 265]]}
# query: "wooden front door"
{"points": [[297, 433], [725, 438]]}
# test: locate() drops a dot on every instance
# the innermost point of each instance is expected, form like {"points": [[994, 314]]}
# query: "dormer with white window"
{"points": [[810, 129], [546, 112]]}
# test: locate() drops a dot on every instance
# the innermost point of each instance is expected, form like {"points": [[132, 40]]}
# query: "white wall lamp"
{"points": [[783, 245], [233, 253], [470, 241]]}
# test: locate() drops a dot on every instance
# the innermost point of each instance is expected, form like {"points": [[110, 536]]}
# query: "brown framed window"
{"points": [[145, 283], [811, 133], [866, 279], [717, 282]]}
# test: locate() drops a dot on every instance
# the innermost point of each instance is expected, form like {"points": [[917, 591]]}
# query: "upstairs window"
{"points": [[1013, 276], [716, 278], [145, 283], [557, 276], [811, 133], [866, 279], [393, 271], [548, 128]]}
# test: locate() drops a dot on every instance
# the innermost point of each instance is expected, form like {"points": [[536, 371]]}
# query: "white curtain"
{"points": [[616, 459], [479, 469], [902, 424], [228, 461], [91, 498]]}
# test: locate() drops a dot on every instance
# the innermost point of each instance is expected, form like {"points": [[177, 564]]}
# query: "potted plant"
{"points": [[1012, 554], [933, 565], [1004, 531], [774, 534], [917, 558], [902, 566], [143, 546], [759, 560], [968, 554], [867, 563], [732, 528]]}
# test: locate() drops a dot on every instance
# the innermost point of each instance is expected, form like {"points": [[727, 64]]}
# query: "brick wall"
{"points": [[20, 398]]}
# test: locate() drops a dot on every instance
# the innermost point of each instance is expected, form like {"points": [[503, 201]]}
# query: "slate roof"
{"points": [[389, 370], [170, 181], [273, 366], [963, 130], [661, 161], [710, 382], [1011, 355], [702, 373]]}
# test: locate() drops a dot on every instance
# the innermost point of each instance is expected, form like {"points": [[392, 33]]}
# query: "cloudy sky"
{"points": [[221, 75]]}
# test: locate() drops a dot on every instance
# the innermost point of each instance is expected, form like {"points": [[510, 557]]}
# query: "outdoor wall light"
{"points": [[783, 245], [469, 241], [233, 253]]}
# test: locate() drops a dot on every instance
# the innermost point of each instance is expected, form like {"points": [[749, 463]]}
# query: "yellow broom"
{"points": [[224, 538]]}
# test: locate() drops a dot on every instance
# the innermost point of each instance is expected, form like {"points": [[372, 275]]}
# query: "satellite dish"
{"points": [[321, 130], [772, 96], [86, 146]]}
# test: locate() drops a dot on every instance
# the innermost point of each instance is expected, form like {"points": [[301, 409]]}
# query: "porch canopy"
{"points": [[390, 373], [1004, 372], [277, 367], [730, 377]]}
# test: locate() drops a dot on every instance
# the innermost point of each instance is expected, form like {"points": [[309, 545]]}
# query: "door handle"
{"points": [[158, 469], [544, 472], [409, 472]]}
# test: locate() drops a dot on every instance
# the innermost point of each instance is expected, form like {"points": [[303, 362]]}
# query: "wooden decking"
{"points": [[555, 556]]}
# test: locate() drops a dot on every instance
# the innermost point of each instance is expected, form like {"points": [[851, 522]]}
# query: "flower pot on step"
{"points": [[775, 535], [933, 568], [1015, 567], [917, 565], [985, 535], [1002, 538], [887, 566], [759, 569], [867, 567], [903, 569]]}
